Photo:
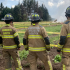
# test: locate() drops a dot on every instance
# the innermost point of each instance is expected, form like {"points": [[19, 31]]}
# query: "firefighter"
{"points": [[37, 42], [9, 40], [64, 43]]}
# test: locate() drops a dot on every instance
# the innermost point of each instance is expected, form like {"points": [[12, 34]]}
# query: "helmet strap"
{"points": [[33, 24]]}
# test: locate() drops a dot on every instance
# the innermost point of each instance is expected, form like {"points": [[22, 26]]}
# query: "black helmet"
{"points": [[35, 18], [8, 17], [67, 12]]}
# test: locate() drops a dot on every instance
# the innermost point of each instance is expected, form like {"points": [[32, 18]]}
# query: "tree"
{"points": [[21, 11], [17, 13], [1, 8]]}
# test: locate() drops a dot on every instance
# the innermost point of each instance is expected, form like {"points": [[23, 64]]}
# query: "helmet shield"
{"points": [[68, 10], [8, 17]]}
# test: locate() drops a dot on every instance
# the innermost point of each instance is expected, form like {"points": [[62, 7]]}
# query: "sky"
{"points": [[56, 8]]}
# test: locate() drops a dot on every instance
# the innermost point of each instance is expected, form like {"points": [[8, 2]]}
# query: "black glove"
{"points": [[58, 50]]}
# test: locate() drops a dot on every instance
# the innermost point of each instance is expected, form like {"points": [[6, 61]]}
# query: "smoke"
{"points": [[56, 8], [60, 13]]}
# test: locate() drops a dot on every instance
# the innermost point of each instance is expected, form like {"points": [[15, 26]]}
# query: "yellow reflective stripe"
{"points": [[68, 35], [35, 37], [66, 50], [25, 46], [7, 24], [7, 36], [9, 69], [6, 29], [33, 24], [50, 65], [37, 49], [9, 47], [19, 64], [59, 46], [64, 67], [18, 69], [16, 34]]}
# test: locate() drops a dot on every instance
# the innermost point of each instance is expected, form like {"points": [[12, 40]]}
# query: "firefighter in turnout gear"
{"points": [[37, 42], [9, 40], [64, 43]]}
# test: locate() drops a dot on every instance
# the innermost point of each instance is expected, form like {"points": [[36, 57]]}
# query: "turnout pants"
{"points": [[32, 58], [66, 62], [7, 54]]}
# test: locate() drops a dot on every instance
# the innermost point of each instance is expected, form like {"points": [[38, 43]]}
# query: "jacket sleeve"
{"points": [[46, 38], [25, 39], [16, 38], [63, 35]]}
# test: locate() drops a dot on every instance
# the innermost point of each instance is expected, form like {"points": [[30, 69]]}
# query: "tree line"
{"points": [[22, 12]]}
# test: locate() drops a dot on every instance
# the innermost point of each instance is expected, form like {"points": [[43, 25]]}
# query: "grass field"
{"points": [[50, 27]]}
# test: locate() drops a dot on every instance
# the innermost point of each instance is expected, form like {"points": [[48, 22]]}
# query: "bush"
{"points": [[23, 54]]}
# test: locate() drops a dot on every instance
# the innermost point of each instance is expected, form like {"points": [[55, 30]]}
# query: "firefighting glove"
{"points": [[48, 47]]}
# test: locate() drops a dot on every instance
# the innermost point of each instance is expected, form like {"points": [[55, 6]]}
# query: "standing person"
{"points": [[10, 42], [37, 42], [64, 44]]}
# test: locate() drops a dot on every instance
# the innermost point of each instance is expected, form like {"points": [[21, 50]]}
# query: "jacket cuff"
{"points": [[47, 46], [60, 46], [25, 46], [19, 45]]}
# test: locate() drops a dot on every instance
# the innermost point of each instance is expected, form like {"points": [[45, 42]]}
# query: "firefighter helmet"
{"points": [[67, 12], [35, 18], [8, 17]]}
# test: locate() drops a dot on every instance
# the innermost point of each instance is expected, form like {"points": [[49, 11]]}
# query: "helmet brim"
{"points": [[3, 19], [6, 19]]}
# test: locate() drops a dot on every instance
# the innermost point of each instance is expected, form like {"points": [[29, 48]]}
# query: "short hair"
{"points": [[8, 21]]}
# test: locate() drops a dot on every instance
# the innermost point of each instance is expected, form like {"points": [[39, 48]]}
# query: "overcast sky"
{"points": [[56, 8]]}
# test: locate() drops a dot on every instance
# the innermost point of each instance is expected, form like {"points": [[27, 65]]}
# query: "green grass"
{"points": [[53, 28], [54, 39], [21, 35]]}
